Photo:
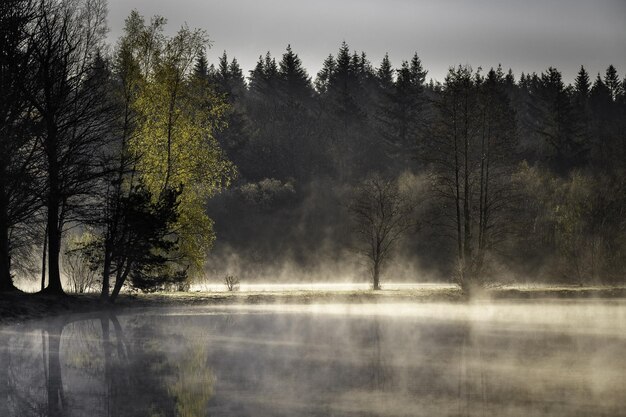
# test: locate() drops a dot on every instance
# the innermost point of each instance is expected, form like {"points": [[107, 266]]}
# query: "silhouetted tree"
{"points": [[65, 41], [382, 215], [471, 155], [20, 158]]}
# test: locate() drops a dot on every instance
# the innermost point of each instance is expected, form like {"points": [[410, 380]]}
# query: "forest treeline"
{"points": [[113, 159], [521, 177]]}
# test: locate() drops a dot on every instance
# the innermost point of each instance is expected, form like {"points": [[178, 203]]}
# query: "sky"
{"points": [[525, 35]]}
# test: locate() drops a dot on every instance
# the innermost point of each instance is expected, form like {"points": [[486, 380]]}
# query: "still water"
{"points": [[544, 358]]}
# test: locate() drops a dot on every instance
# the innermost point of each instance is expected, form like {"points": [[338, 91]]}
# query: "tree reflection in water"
{"points": [[87, 366]]}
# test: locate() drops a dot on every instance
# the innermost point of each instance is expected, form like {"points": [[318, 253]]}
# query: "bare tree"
{"points": [[231, 282], [382, 216], [80, 273], [470, 154], [68, 96]]}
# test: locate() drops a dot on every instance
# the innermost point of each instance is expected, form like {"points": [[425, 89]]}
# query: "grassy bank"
{"points": [[19, 307]]}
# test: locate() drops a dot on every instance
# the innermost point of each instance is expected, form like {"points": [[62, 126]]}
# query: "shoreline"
{"points": [[17, 308]]}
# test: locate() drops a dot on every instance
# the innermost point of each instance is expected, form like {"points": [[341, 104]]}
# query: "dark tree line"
{"points": [[484, 138]]}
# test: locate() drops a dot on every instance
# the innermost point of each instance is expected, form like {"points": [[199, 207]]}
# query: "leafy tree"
{"points": [[174, 142]]}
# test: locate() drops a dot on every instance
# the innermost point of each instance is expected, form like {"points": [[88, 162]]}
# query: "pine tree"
{"points": [[402, 118], [418, 74], [554, 121], [292, 74], [385, 74], [581, 85], [612, 82], [323, 76], [201, 68]]}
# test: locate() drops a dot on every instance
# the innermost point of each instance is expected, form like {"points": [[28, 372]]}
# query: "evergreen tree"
{"points": [[385, 74], [323, 76], [581, 85], [401, 117], [201, 68], [612, 82], [293, 75], [554, 122], [607, 149]]}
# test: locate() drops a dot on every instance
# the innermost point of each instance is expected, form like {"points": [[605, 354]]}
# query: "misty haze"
{"points": [[287, 209]]}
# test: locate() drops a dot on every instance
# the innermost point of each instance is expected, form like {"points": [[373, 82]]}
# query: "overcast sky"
{"points": [[525, 35]]}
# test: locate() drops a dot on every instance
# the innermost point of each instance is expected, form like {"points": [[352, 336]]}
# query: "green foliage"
{"points": [[174, 143]]}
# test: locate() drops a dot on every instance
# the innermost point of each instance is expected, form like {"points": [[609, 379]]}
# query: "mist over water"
{"points": [[312, 286], [548, 358]]}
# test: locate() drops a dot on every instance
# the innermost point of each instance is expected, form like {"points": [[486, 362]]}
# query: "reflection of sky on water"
{"points": [[479, 359]]}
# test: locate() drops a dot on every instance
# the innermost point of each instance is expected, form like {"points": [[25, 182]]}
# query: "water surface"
{"points": [[549, 358]]}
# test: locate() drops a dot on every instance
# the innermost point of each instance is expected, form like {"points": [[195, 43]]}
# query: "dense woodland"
{"points": [[122, 163]]}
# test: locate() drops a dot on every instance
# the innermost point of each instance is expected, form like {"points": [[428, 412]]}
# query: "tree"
{"points": [[173, 142], [612, 82], [385, 74], [470, 154], [346, 84], [68, 97], [19, 155], [233, 133], [554, 121], [582, 86], [81, 274], [401, 116], [382, 215], [141, 245]]}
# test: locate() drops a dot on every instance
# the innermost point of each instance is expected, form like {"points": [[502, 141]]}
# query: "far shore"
{"points": [[18, 307]]}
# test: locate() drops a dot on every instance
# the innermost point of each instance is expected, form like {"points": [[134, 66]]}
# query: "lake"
{"points": [[535, 358]]}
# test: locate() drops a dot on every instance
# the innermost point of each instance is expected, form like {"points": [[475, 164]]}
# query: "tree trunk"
{"points": [[6, 282], [467, 224], [106, 272], [54, 250], [119, 282], [54, 228], [43, 259], [457, 189], [376, 276]]}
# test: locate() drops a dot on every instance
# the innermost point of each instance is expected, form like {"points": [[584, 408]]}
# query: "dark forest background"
{"points": [[555, 211]]}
